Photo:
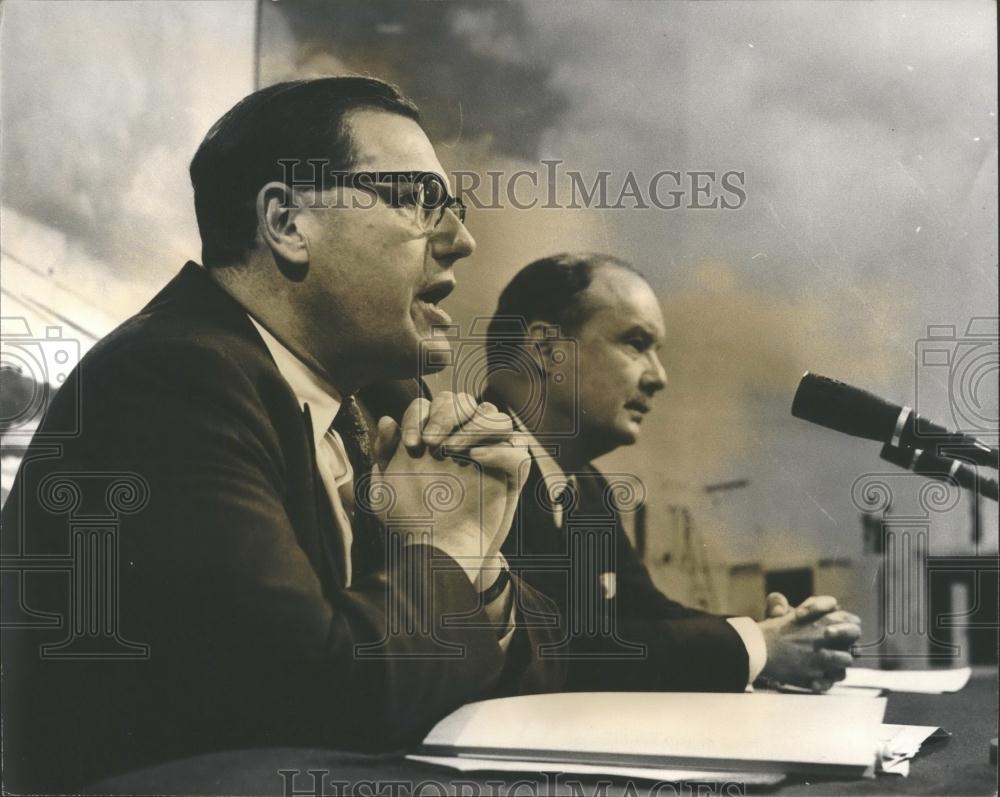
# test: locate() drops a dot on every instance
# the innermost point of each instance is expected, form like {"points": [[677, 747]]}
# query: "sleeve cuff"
{"points": [[753, 641], [500, 565]]}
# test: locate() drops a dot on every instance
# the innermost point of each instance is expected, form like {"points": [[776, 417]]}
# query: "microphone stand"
{"points": [[949, 469]]}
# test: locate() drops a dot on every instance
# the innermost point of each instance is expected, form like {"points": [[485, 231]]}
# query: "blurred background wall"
{"points": [[867, 137]]}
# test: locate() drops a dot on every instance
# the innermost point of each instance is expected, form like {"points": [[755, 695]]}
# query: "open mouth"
{"points": [[429, 298], [436, 293]]}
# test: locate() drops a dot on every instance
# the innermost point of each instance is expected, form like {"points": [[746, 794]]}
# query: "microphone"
{"points": [[857, 412], [927, 464]]}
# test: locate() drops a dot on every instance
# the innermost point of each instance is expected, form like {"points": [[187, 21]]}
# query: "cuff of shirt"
{"points": [[511, 622], [753, 641]]}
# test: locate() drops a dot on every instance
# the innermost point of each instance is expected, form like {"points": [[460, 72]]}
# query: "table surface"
{"points": [[958, 765], [953, 766]]}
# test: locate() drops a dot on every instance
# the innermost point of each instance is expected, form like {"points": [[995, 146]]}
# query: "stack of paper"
{"points": [[699, 733], [930, 682], [866, 682], [463, 764], [835, 690]]}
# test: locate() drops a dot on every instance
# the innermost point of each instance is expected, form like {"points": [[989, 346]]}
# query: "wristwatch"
{"points": [[496, 589]]}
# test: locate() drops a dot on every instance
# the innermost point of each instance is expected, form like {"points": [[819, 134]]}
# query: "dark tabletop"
{"points": [[957, 765], [953, 766]]}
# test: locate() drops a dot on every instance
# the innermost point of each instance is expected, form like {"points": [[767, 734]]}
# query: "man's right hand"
{"points": [[462, 452], [808, 646]]}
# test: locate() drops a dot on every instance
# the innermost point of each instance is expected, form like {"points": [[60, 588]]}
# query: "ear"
{"points": [[545, 335], [277, 216], [551, 345]]}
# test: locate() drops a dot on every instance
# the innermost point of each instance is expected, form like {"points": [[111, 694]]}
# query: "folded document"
{"points": [[900, 743], [772, 733], [630, 773]]}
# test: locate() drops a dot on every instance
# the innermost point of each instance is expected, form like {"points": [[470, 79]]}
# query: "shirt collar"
{"points": [[309, 388], [552, 474]]}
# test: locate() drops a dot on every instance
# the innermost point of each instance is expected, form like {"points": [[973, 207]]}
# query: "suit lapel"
{"points": [[194, 294], [534, 532]]}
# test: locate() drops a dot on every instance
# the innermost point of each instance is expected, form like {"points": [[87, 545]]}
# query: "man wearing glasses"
{"points": [[288, 579]]}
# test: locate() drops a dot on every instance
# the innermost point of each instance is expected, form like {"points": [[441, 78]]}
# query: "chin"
{"points": [[628, 434], [612, 437], [628, 439], [430, 355], [410, 356]]}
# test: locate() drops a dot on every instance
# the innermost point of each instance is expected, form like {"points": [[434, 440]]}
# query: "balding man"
{"points": [[575, 403]]}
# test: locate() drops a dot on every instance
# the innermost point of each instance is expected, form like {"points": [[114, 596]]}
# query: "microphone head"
{"points": [[844, 408]]}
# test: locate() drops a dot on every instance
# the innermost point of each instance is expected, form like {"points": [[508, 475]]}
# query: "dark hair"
{"points": [[298, 121], [550, 289]]}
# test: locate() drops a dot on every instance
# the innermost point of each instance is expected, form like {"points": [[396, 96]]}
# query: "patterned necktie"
{"points": [[353, 430], [367, 549]]}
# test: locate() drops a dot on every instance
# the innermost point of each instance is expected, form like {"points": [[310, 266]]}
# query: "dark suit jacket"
{"points": [[619, 633], [189, 495]]}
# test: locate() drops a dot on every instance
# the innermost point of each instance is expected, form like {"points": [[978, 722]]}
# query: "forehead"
{"points": [[386, 141], [619, 299]]}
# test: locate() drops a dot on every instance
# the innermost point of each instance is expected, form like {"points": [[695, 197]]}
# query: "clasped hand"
{"points": [[808, 646], [469, 450]]}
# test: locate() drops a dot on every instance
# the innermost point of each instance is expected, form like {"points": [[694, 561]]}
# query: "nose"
{"points": [[451, 239], [654, 378]]}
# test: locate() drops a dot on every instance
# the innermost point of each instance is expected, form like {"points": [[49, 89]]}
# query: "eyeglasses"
{"points": [[422, 193]]}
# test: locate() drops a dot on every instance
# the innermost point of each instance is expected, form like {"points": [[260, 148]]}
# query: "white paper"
{"points": [[899, 744], [904, 739], [464, 764], [898, 766], [763, 731], [931, 682], [835, 690], [854, 691]]}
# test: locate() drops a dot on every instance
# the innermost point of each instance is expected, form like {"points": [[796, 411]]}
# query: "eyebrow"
{"points": [[649, 335]]}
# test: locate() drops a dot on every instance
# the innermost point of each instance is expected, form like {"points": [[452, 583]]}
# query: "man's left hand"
{"points": [[820, 623]]}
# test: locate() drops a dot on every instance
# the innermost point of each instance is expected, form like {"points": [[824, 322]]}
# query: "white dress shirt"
{"points": [[323, 401], [555, 481]]}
